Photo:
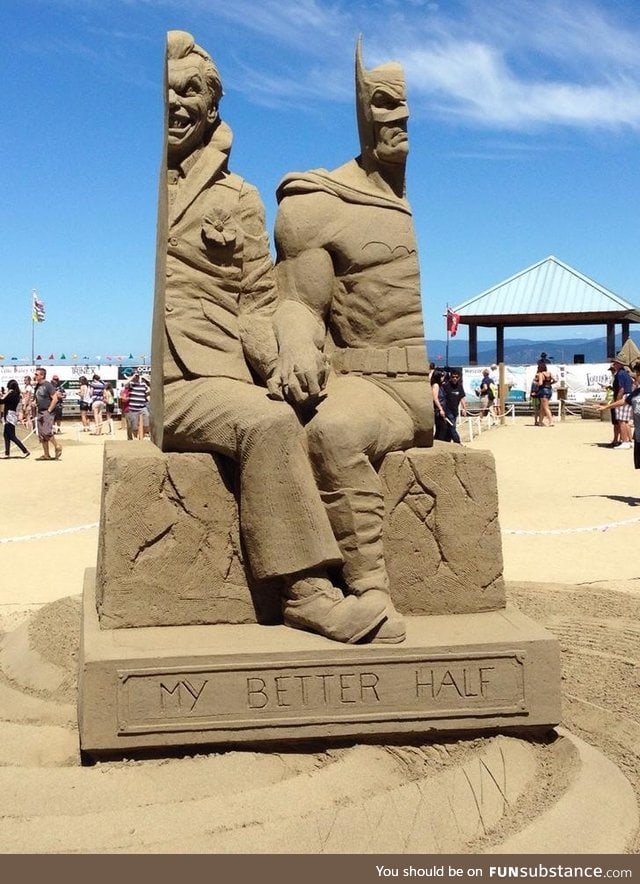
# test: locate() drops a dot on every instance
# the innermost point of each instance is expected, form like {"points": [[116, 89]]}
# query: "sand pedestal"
{"points": [[252, 684], [170, 553], [180, 647]]}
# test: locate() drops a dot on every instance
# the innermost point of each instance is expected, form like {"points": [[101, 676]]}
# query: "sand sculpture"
{"points": [[311, 381], [215, 341]]}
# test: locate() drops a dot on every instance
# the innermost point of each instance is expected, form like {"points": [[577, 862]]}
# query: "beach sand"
{"points": [[570, 517]]}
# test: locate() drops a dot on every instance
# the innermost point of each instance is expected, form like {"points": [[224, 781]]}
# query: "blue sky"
{"points": [[525, 141]]}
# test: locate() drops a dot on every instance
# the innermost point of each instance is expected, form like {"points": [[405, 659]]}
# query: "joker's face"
{"points": [[192, 110]]}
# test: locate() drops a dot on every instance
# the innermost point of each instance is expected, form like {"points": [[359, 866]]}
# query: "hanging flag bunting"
{"points": [[453, 321], [38, 357], [37, 310], [130, 356], [1, 355], [51, 356], [74, 355], [14, 358]]}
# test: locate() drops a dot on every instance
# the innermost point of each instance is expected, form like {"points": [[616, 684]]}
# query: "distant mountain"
{"points": [[520, 351]]}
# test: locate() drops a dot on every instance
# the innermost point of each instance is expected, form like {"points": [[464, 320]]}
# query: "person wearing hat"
{"points": [[631, 401], [622, 411]]}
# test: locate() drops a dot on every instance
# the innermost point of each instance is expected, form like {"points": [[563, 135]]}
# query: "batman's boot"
{"points": [[314, 604], [356, 519], [392, 630]]}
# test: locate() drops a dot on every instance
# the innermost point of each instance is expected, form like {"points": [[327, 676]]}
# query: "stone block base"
{"points": [[170, 552], [442, 542], [169, 549], [253, 685]]}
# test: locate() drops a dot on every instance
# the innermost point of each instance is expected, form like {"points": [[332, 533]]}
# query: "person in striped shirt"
{"points": [[97, 402], [138, 414]]}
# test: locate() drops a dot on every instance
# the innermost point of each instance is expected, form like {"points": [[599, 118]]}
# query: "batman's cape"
{"points": [[349, 183]]}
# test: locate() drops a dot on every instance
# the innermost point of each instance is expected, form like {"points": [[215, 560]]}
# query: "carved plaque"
{"points": [[252, 695]]}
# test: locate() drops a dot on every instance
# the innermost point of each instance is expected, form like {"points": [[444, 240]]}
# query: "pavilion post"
{"points": [[499, 343], [625, 330], [611, 339], [473, 344]]}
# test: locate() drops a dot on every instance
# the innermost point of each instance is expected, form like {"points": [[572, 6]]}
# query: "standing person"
{"points": [[455, 403], [608, 388], [535, 400], [123, 400], [630, 400], [26, 402], [46, 397], [11, 402], [110, 405], [138, 405], [544, 379], [622, 412], [441, 429], [486, 393], [57, 412], [97, 402], [84, 401]]}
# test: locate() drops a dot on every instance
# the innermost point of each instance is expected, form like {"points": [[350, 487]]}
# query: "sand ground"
{"points": [[570, 517]]}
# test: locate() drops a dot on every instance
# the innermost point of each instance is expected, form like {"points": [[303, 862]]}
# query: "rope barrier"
{"points": [[522, 532], [46, 534], [518, 532]]}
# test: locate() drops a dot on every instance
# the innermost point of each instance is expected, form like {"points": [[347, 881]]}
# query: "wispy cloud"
{"points": [[514, 65], [523, 64], [292, 23], [472, 81]]}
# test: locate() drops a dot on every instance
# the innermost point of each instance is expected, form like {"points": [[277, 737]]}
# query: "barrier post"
{"points": [[502, 393]]}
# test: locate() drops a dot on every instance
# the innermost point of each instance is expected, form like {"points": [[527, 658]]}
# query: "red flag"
{"points": [[453, 321]]}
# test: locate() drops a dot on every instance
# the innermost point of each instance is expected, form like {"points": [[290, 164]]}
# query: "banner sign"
{"points": [[583, 382]]}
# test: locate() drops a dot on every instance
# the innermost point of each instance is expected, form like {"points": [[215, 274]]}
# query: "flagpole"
{"points": [[33, 332], [446, 351]]}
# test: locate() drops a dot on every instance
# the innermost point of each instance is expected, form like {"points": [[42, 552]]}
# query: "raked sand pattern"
{"points": [[567, 511]]}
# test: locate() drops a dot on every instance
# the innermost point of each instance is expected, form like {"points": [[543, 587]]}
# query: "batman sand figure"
{"points": [[352, 356]]}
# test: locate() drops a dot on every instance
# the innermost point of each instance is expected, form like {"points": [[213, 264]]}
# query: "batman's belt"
{"points": [[391, 361]]}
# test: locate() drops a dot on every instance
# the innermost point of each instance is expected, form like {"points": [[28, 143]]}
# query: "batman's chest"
{"points": [[371, 236]]}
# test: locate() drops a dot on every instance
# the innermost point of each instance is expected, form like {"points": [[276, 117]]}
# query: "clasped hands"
{"points": [[300, 375]]}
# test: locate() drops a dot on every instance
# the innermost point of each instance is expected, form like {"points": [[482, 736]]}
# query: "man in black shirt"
{"points": [[454, 403]]}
